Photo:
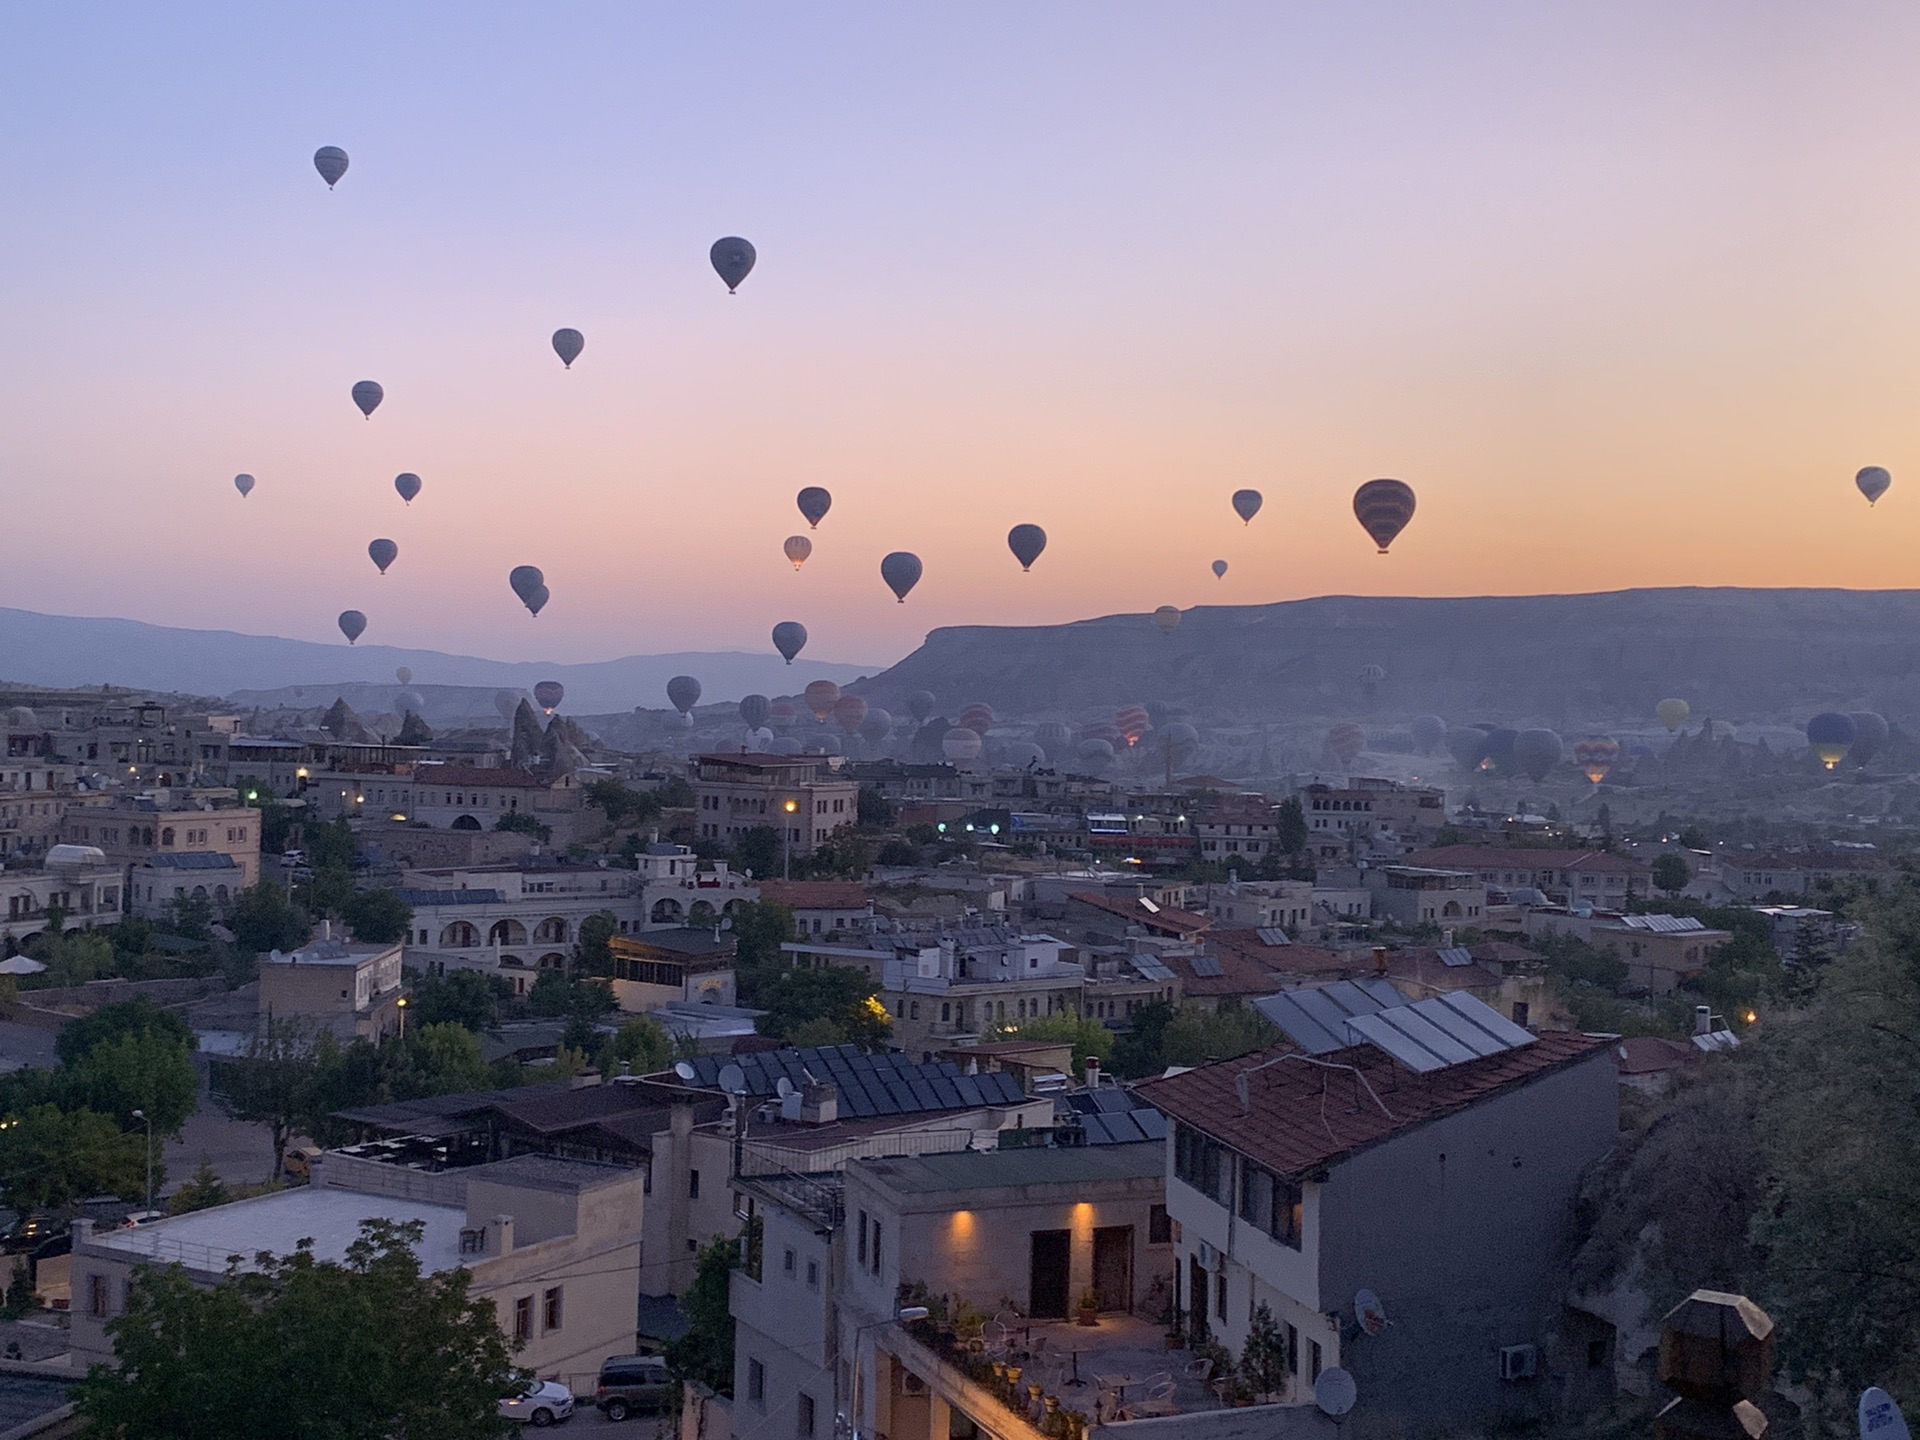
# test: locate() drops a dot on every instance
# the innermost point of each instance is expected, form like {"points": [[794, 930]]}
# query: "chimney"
{"points": [[326, 928], [1093, 1072], [1446, 939], [1703, 1019], [1716, 1354], [820, 1103], [1380, 960], [500, 1235]]}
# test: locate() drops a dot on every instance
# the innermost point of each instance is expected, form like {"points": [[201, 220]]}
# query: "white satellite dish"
{"points": [[1368, 1310], [1334, 1392], [783, 1087], [733, 1080], [1880, 1417], [685, 1071]]}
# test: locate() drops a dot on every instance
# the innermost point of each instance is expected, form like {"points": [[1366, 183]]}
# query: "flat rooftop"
{"points": [[278, 1223], [1004, 1169]]}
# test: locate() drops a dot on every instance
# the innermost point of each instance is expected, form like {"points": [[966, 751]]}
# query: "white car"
{"points": [[538, 1402]]}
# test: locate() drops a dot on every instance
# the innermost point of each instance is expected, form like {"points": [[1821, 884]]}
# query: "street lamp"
{"points": [[904, 1313], [142, 1115], [786, 832], [401, 1005]]}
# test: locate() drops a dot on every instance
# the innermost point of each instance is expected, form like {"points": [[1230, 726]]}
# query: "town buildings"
{"points": [[1591, 878], [351, 992], [129, 827], [75, 885], [802, 798], [1659, 950]]}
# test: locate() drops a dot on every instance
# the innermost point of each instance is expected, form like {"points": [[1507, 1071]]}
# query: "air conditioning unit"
{"points": [[1518, 1362], [912, 1384]]}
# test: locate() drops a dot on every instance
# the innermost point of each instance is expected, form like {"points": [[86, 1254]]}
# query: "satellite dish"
{"points": [[685, 1071], [1334, 1392], [733, 1080], [1880, 1417], [1368, 1310], [783, 1087]]}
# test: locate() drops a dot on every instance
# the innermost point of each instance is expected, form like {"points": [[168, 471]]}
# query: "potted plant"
{"points": [[1089, 1308]]}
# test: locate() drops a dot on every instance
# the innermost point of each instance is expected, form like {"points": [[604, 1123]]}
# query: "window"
{"points": [[1313, 1361], [551, 1310], [1293, 1350], [788, 1264], [803, 1420], [1220, 1293], [876, 1247], [861, 1244], [1159, 1226], [813, 1274], [1198, 1161], [693, 1184], [757, 1383], [1271, 1203], [523, 1319], [97, 1296]]}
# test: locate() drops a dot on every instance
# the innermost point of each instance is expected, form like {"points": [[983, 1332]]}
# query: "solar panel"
{"points": [[1488, 1019], [1152, 1124], [1151, 968], [1121, 1128], [1304, 1029], [1108, 1100], [946, 1092], [1095, 1128], [923, 1096], [1009, 1088], [1206, 967], [1454, 955], [1375, 1031], [1269, 935], [1381, 990], [969, 1088], [1456, 1025], [1427, 1035]]}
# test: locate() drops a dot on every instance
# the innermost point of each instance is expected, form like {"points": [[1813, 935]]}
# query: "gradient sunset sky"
{"points": [[1627, 291]]}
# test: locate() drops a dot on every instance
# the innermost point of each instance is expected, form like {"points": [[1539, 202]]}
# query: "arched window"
{"points": [[465, 822], [507, 932], [460, 935], [551, 931], [667, 912], [166, 836]]}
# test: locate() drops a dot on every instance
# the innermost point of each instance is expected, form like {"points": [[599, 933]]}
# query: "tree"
{"points": [[147, 1072], [273, 1085], [363, 1349], [111, 1022], [1290, 826], [75, 959], [264, 919], [841, 1000], [704, 1354], [873, 808], [447, 1058], [378, 917], [592, 954], [898, 852], [1195, 1035], [202, 1192], [523, 823], [641, 1043], [758, 851], [460, 997], [1265, 1365], [1088, 1037], [760, 928], [1137, 1054], [190, 917], [1671, 874], [52, 1158]]}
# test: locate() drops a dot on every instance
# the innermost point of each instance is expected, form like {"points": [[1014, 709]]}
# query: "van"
{"points": [[631, 1384], [298, 1162]]}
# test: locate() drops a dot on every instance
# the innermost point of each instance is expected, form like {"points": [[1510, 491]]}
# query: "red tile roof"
{"points": [[815, 894], [1128, 907], [503, 777], [1650, 1055], [1302, 1116], [1278, 962]]}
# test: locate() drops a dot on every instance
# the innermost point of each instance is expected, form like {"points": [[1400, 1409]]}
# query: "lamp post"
{"points": [[401, 1005], [786, 839], [906, 1312], [142, 1115]]}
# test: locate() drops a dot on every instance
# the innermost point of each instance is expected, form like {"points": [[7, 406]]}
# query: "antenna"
{"points": [[733, 1080], [1368, 1310], [685, 1071], [1334, 1392], [783, 1087]]}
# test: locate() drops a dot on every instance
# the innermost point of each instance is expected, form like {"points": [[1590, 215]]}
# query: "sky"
{"points": [[1626, 291]]}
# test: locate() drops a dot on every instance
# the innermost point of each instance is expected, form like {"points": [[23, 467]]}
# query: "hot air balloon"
{"points": [[901, 571], [1500, 754], [1167, 617], [367, 394], [1672, 713], [1104, 731], [524, 580], [1832, 736], [408, 702], [568, 344], [1873, 482], [851, 712], [1383, 508], [1869, 736], [1537, 752], [506, 702], [683, 693], [814, 502], [732, 260], [1219, 569], [1346, 740], [548, 694], [1021, 755], [1468, 746], [1595, 757], [408, 484], [1246, 504], [1026, 542], [1053, 737], [1131, 721], [1178, 742], [961, 743], [1097, 753], [382, 553], [821, 696], [783, 713], [789, 638], [244, 484], [876, 727], [920, 705], [1428, 731], [798, 548], [755, 711], [537, 601], [352, 625], [331, 162], [403, 674], [977, 717], [760, 739]]}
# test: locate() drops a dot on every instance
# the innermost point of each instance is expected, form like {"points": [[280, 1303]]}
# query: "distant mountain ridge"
{"points": [[67, 650], [1561, 660]]}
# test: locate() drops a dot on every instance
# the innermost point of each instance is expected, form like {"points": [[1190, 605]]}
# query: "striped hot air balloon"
{"points": [[1595, 757], [1383, 508]]}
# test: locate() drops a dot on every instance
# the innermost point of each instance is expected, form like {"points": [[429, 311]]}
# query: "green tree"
{"points": [[1671, 873], [873, 808], [263, 918], [460, 997], [52, 1158], [1290, 827], [759, 851], [190, 917], [642, 1043], [274, 1085], [592, 954], [839, 1001], [704, 1354], [760, 928], [76, 959], [328, 891], [1137, 1054], [448, 1058], [147, 1072], [1265, 1366], [1196, 1035], [138, 1016], [521, 822], [202, 1192], [378, 917], [1087, 1036], [330, 846], [366, 1349]]}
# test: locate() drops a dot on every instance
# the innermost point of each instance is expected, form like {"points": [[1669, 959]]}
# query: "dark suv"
{"points": [[630, 1384]]}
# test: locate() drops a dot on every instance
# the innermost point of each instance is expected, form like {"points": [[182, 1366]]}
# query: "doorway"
{"points": [[1113, 1266], [1047, 1278]]}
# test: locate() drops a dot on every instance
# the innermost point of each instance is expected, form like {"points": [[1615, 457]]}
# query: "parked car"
{"points": [[298, 1162], [633, 1384], [537, 1402]]}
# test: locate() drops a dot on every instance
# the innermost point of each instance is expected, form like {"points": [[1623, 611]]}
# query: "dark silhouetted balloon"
{"points": [[1372, 674], [352, 625], [383, 553], [789, 638], [901, 571], [1468, 746], [683, 692], [814, 502], [548, 694], [1672, 713], [1167, 617], [1097, 753], [797, 549], [1346, 740], [1595, 756], [403, 674], [1383, 508], [756, 710], [1053, 737], [1869, 736], [331, 162], [732, 260], [1219, 569], [367, 394], [1500, 752], [244, 484], [1537, 752], [1832, 736], [920, 705], [821, 696], [537, 601], [1428, 731], [568, 344], [1026, 542], [506, 702], [978, 717], [408, 702], [1873, 482], [524, 580], [407, 484], [851, 712], [877, 726], [1246, 504]]}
